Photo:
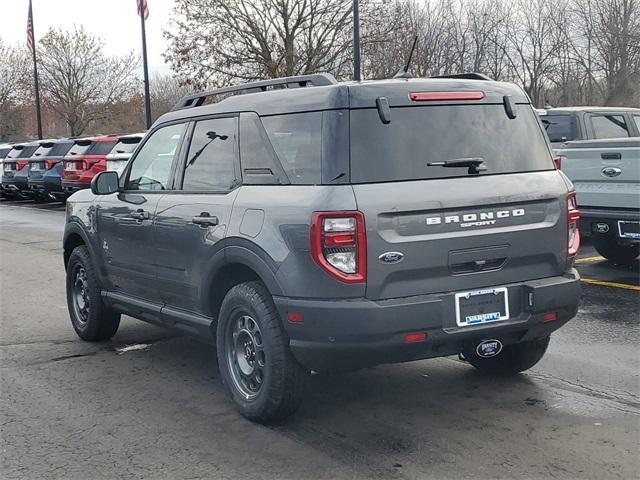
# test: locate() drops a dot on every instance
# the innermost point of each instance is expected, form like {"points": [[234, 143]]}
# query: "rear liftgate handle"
{"points": [[205, 220]]}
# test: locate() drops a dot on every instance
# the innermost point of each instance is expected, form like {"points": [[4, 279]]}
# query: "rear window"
{"points": [[126, 145], [80, 149], [27, 151], [297, 140], [4, 152], [60, 149], [560, 128], [101, 148], [43, 150], [417, 136]]}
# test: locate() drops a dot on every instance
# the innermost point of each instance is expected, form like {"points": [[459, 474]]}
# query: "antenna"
{"points": [[404, 73]]}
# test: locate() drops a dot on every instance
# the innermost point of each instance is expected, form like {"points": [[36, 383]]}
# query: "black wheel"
{"points": [[91, 319], [609, 249], [257, 366], [512, 360]]}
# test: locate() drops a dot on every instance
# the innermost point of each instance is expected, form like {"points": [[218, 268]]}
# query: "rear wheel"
{"points": [[512, 360], [609, 249], [256, 364], [91, 318]]}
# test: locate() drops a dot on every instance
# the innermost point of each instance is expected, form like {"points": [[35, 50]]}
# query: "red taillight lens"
{"points": [[49, 164], [445, 96], [573, 225], [415, 337], [20, 164], [557, 161], [338, 244]]}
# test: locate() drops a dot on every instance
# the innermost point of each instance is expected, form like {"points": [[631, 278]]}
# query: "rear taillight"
{"points": [[557, 161], [20, 164], [573, 225], [338, 245], [49, 164]]}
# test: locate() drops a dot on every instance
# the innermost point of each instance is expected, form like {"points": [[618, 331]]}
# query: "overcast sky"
{"points": [[115, 21]]}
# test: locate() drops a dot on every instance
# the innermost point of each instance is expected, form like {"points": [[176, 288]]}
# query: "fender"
{"points": [[244, 252], [74, 227]]}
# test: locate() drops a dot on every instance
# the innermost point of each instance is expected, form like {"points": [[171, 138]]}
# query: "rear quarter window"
{"points": [[297, 140], [609, 126], [417, 136]]}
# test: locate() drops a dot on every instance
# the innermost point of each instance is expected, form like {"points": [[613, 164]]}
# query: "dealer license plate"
{"points": [[482, 306], [629, 229]]}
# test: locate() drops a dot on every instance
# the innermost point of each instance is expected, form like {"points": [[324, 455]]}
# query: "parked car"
{"points": [[45, 171], [85, 159], [565, 124], [5, 148], [316, 228], [12, 165], [33, 170], [121, 152], [606, 175]]}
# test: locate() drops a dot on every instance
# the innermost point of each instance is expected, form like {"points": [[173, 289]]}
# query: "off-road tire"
{"points": [[512, 360], [284, 379], [609, 249], [100, 322]]}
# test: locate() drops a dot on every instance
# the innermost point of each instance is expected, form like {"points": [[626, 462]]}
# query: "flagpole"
{"points": [[147, 100], [35, 74]]}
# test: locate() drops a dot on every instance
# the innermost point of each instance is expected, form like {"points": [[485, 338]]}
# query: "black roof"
{"points": [[344, 95]]}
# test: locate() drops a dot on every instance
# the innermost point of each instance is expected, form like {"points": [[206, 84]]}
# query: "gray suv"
{"points": [[302, 224]]}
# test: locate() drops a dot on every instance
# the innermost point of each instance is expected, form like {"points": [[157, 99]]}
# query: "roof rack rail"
{"points": [[466, 76], [317, 80]]}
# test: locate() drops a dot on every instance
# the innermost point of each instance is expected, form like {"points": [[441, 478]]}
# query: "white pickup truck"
{"points": [[606, 175]]}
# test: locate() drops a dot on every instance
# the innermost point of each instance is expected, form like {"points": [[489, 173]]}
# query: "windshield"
{"points": [[417, 136]]}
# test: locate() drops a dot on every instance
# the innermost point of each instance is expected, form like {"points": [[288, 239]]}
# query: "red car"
{"points": [[85, 160]]}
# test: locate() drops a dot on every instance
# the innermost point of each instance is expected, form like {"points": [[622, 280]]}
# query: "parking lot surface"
{"points": [[149, 403]]}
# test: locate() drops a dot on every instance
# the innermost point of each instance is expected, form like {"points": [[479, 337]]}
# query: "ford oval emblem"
{"points": [[489, 348], [611, 171], [391, 257]]}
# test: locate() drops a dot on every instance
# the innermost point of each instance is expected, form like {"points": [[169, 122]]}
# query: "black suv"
{"points": [[304, 225]]}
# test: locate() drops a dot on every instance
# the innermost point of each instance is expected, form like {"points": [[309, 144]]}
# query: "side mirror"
{"points": [[105, 183]]}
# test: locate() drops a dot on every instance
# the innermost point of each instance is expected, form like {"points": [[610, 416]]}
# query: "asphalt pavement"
{"points": [[150, 404]]}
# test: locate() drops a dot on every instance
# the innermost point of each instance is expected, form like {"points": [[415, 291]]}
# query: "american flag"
{"points": [[30, 45], [142, 7]]}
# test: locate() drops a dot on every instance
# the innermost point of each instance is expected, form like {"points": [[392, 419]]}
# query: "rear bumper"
{"points": [[71, 187], [603, 221], [345, 334]]}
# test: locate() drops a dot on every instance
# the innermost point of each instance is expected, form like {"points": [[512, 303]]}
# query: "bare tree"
{"points": [[14, 89], [79, 81], [215, 42], [165, 93]]}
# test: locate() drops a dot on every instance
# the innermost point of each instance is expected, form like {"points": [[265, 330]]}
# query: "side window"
{"points": [[151, 167], [210, 164], [297, 139], [609, 126], [636, 119]]}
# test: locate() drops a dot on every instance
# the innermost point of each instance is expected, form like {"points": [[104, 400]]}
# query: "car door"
{"points": [[125, 218], [191, 221]]}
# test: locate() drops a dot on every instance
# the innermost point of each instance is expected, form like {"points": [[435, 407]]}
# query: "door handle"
{"points": [[140, 215], [205, 220], [611, 156]]}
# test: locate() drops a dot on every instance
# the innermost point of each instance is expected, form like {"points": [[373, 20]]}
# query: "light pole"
{"points": [[356, 41]]}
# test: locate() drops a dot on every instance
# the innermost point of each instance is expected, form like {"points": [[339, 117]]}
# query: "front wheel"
{"points": [[609, 249], [512, 360], [256, 364], [91, 318]]}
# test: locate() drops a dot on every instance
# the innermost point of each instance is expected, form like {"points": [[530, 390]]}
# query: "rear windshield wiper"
{"points": [[475, 165]]}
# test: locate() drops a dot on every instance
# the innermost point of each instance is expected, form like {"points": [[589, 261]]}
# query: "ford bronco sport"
{"points": [[305, 225]]}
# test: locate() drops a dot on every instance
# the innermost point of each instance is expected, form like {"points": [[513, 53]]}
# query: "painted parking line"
{"points": [[589, 260], [603, 283]]}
